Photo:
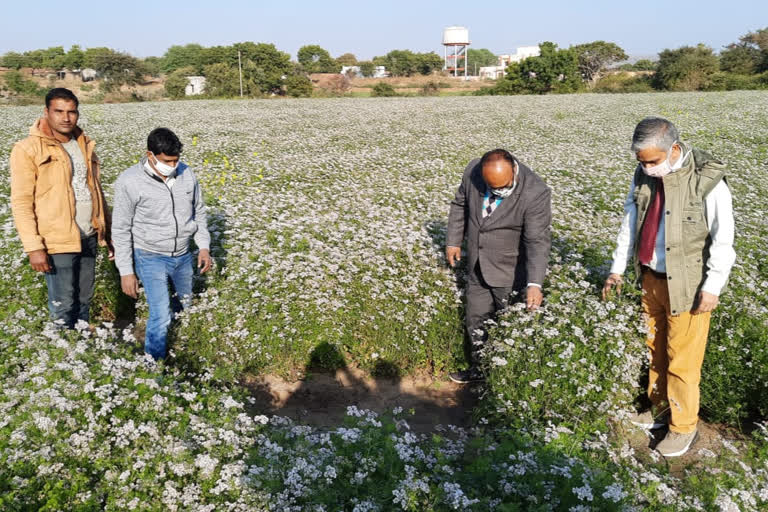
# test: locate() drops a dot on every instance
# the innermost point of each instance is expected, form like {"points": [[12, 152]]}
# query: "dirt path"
{"points": [[321, 399], [712, 440]]}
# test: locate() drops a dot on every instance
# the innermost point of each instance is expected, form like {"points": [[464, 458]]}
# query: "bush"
{"points": [[723, 81], [430, 89], [624, 82], [176, 83], [383, 89], [298, 86], [16, 82]]}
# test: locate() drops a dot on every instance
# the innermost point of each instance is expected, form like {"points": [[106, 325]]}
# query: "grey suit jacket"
{"points": [[513, 243]]}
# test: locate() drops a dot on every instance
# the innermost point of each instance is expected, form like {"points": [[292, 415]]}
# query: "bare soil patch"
{"points": [[321, 399]]}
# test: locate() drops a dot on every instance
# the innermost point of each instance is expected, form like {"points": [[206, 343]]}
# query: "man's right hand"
{"points": [[130, 285], [612, 280], [38, 260], [452, 254]]}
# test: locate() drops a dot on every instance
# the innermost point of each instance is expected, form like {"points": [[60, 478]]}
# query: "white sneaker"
{"points": [[676, 444], [650, 421]]}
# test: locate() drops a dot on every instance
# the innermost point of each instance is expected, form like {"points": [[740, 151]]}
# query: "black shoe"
{"points": [[467, 376]]}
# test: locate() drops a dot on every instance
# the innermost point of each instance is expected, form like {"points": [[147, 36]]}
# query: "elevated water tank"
{"points": [[455, 36]]}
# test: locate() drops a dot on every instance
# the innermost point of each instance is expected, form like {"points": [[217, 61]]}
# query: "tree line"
{"points": [[740, 65]]}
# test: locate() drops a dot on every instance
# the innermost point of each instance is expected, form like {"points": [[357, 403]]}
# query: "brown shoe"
{"points": [[675, 444]]}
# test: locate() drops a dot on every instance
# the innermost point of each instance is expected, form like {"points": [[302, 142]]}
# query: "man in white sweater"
{"points": [[678, 229]]}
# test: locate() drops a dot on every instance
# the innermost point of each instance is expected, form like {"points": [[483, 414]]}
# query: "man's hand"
{"points": [[452, 254], [130, 285], [111, 250], [533, 297], [612, 280], [38, 260], [204, 260], [707, 302]]}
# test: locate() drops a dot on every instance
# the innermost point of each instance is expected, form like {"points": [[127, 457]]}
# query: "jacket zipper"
{"points": [[175, 221]]}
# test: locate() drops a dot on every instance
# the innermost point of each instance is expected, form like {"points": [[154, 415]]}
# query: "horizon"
{"points": [[340, 30]]}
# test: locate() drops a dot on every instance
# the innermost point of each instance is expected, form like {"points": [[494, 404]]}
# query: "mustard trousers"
{"points": [[677, 344]]}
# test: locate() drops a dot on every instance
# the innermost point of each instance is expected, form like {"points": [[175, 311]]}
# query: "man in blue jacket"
{"points": [[158, 209]]}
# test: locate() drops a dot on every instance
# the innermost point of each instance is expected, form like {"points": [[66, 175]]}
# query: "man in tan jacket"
{"points": [[59, 207]]}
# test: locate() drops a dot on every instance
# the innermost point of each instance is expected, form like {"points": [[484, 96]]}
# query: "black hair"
{"points": [[497, 154], [163, 140], [60, 93]]}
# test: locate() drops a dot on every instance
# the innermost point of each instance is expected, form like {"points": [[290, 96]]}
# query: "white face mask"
{"points": [[664, 168], [502, 192], [161, 167]]}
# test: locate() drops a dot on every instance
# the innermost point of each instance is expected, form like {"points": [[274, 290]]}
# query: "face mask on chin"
{"points": [[502, 192], [161, 167]]}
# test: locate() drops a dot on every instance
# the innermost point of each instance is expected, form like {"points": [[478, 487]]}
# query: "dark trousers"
{"points": [[483, 302], [70, 283]]}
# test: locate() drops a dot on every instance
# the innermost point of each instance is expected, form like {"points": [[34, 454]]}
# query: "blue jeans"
{"points": [[70, 283], [154, 271]]}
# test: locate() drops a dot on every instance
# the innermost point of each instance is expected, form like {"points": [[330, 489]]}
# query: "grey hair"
{"points": [[654, 132]]}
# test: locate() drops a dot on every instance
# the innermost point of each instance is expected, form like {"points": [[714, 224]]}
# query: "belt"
{"points": [[657, 275]]}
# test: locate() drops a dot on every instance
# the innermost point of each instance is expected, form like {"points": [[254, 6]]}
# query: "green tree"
{"points": [[594, 57], [153, 65], [367, 68], [644, 65], [348, 59], [14, 60], [314, 59], [427, 63], [481, 57], [264, 66], [75, 57], [749, 55], [298, 86], [221, 80], [116, 68], [688, 68], [176, 83], [189, 55], [553, 71], [53, 57]]}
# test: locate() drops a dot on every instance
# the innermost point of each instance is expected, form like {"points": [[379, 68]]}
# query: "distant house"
{"points": [[195, 85], [522, 53], [378, 71], [88, 74]]}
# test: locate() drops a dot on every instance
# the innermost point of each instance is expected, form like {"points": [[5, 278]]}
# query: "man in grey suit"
{"points": [[503, 209]]}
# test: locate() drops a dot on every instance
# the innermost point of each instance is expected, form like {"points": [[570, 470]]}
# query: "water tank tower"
{"points": [[455, 44]]}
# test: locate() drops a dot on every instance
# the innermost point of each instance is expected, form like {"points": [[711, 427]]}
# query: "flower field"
{"points": [[328, 226]]}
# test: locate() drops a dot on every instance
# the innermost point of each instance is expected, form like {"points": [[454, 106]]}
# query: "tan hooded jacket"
{"points": [[42, 198]]}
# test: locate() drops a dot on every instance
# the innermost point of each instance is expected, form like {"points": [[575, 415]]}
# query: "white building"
{"points": [[522, 53], [195, 85], [378, 71]]}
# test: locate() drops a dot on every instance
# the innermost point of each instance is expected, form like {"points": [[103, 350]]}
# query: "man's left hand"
{"points": [[204, 260], [706, 303], [533, 297]]}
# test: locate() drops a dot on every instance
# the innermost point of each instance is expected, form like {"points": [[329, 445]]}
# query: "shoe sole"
{"points": [[459, 381], [648, 426], [684, 450]]}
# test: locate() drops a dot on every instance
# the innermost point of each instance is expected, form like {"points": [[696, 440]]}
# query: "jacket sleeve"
{"points": [[537, 236], [23, 183], [122, 223], [104, 204], [202, 236], [457, 216]]}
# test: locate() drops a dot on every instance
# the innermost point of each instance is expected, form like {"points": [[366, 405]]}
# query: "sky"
{"points": [[365, 28]]}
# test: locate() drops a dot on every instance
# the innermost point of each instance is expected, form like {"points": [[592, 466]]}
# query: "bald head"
{"points": [[498, 167]]}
